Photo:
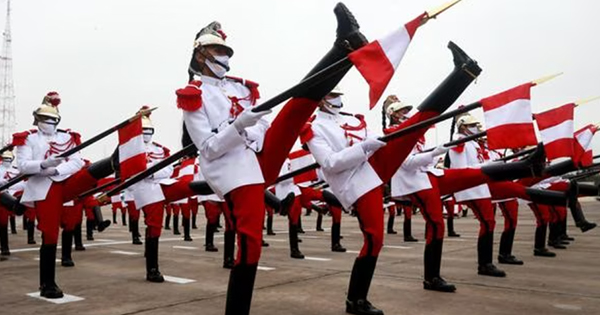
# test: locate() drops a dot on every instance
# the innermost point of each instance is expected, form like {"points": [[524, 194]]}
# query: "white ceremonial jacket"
{"points": [[412, 176], [6, 174], [187, 168], [283, 188], [345, 167], [200, 177], [469, 155], [37, 147], [228, 158], [148, 191]]}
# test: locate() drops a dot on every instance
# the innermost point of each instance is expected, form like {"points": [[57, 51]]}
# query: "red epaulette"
{"points": [[306, 133], [190, 97], [74, 135], [251, 85], [19, 138]]}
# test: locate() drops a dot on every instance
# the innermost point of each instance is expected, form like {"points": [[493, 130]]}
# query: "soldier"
{"points": [[116, 204], [282, 190], [240, 153], [53, 181], [7, 172], [134, 216]]}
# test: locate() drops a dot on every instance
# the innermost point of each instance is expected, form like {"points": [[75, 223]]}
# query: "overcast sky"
{"points": [[107, 58]]}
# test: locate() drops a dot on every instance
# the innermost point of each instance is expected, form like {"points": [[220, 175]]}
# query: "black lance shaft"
{"points": [[8, 147], [460, 141], [84, 144], [516, 155], [98, 189], [305, 85], [153, 169], [394, 135]]}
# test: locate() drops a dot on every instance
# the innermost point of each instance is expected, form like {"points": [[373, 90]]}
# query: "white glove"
{"points": [[371, 145], [50, 171], [51, 162], [248, 118], [440, 150]]}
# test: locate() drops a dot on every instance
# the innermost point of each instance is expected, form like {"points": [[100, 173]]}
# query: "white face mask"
{"points": [[473, 130], [216, 68], [147, 138], [334, 105], [46, 128]]}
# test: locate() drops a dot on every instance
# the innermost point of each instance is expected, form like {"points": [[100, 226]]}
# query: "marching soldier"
{"points": [[7, 172]]}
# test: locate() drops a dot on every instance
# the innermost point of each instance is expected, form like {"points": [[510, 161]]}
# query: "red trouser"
{"points": [[408, 210], [4, 215], [168, 208], [510, 211], [270, 211], [450, 204], [308, 194], [176, 208], [507, 190], [336, 214], [193, 202], [49, 211], [153, 217], [295, 211], [30, 214], [118, 206], [89, 213], [212, 210], [134, 213], [392, 210], [541, 213], [484, 212], [369, 209], [72, 216], [247, 212], [186, 212]]}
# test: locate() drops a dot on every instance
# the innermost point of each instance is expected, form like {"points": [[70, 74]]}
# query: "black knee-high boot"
{"points": [[134, 228], [335, 238], [115, 217], [451, 231], [67, 247], [89, 229], [554, 239], [390, 224], [30, 232], [239, 291], [270, 225], [505, 255], [408, 231], [168, 222], [210, 234], [228, 249], [4, 250], [485, 248], [433, 262], [293, 236], [358, 288], [540, 242], [48, 287], [124, 219], [77, 238], [152, 272], [194, 226], [176, 224], [13, 225], [320, 223], [186, 230]]}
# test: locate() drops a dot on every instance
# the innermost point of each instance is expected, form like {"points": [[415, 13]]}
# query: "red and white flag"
{"points": [[556, 130], [378, 60], [583, 155], [132, 153], [298, 160], [508, 118]]}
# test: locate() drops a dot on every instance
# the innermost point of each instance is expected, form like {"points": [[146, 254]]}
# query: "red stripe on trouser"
{"points": [[176, 209], [281, 136], [506, 190], [510, 211], [295, 212], [49, 210], [336, 214], [270, 211], [408, 210], [369, 209], [30, 214], [153, 217], [212, 209], [193, 202], [133, 212], [387, 160], [186, 212], [484, 212], [392, 210], [4, 215], [247, 206], [541, 213], [430, 203], [71, 216], [450, 205]]}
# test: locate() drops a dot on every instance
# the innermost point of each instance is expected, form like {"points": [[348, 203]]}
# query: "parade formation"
{"points": [[241, 168]]}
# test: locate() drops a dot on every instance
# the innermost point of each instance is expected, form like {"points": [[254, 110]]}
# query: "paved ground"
{"points": [[109, 275]]}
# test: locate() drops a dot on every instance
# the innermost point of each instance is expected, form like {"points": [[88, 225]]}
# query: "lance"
{"points": [[8, 147], [460, 141], [98, 189], [151, 170], [583, 175], [339, 66], [85, 144]]}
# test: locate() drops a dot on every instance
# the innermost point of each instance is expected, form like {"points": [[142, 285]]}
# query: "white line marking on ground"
{"points": [[353, 252], [186, 247], [122, 252], [38, 259], [568, 307], [273, 240], [265, 268], [396, 247], [317, 258], [66, 299], [178, 280]]}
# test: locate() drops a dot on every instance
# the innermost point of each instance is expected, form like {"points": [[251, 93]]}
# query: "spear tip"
{"points": [[432, 14], [546, 79], [585, 101]]}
